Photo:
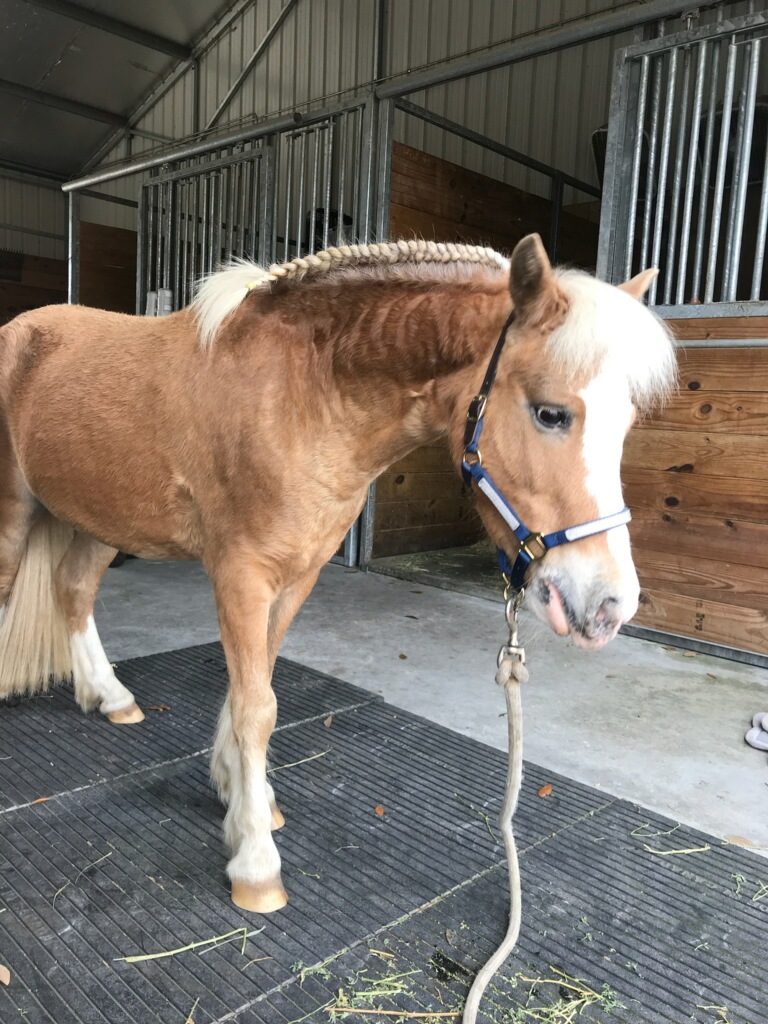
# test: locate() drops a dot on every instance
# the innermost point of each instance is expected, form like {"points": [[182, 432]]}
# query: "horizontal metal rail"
{"points": [[270, 126], [537, 44], [496, 147], [37, 232]]}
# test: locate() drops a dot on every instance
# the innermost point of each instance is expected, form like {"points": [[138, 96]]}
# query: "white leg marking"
{"points": [[240, 778], [96, 684]]}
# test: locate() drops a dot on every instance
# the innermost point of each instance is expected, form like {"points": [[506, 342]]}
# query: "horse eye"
{"points": [[552, 417]]}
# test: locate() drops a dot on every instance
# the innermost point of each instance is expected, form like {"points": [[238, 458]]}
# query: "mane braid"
{"points": [[222, 292]]}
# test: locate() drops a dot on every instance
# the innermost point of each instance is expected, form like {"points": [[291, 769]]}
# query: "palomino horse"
{"points": [[244, 432]]}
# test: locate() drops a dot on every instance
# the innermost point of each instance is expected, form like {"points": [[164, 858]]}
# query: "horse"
{"points": [[244, 431]]}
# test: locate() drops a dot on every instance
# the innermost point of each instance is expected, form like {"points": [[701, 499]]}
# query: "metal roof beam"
{"points": [[103, 22], [48, 99]]}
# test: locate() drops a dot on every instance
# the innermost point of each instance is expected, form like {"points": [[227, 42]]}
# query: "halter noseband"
{"points": [[532, 545]]}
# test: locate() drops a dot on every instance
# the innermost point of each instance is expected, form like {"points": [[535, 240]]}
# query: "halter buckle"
{"points": [[472, 457], [477, 408], [533, 538]]}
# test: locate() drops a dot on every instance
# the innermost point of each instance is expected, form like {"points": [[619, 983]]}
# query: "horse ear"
{"points": [[638, 285], [530, 276]]}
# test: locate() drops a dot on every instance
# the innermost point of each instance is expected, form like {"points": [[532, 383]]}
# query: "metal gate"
{"points": [[686, 169], [268, 199]]}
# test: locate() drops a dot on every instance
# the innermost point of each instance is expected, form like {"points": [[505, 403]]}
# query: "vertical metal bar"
{"points": [[289, 141], [141, 256], [194, 263], [245, 191], [762, 232], [220, 183], [356, 162], [204, 224], [661, 188], [367, 166], [174, 238], [740, 185], [690, 181], [255, 199], [73, 248], [734, 179], [342, 177], [300, 197], [160, 189], [677, 176], [366, 527], [149, 241], [380, 27], [650, 181], [705, 173], [556, 201], [168, 234], [185, 187], [315, 170], [636, 161], [267, 178], [231, 178], [383, 183], [722, 157], [329, 147], [613, 220]]}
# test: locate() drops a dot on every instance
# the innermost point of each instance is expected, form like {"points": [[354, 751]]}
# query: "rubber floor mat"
{"points": [[393, 865]]}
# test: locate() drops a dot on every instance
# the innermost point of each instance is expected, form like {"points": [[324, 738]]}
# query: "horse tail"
{"points": [[34, 639]]}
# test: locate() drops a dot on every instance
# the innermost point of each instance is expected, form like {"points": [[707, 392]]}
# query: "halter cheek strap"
{"points": [[532, 546]]}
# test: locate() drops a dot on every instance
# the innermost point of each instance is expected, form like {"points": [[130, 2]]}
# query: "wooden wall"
{"points": [[696, 478], [107, 274], [421, 503]]}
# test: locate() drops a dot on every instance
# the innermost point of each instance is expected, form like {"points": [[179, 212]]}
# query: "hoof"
{"points": [[259, 897], [277, 818], [126, 716]]}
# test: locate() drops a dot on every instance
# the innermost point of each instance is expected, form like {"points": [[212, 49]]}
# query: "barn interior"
{"points": [[141, 148]]}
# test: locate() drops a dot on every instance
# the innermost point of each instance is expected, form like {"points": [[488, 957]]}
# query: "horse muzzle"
{"points": [[591, 619]]}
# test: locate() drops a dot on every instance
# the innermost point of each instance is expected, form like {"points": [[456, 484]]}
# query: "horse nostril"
{"points": [[607, 611]]}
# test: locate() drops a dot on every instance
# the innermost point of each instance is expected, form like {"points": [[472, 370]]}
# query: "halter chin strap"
{"points": [[532, 545]]}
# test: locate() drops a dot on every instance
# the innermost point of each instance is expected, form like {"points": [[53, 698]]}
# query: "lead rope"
{"points": [[511, 672]]}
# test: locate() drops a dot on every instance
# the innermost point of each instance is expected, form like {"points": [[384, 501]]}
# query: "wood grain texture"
{"points": [[743, 628], [723, 369], [703, 454], [738, 411], [704, 328], [108, 267], [686, 492], [721, 538], [705, 578]]}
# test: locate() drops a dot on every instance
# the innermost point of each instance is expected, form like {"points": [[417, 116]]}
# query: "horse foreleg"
{"points": [[240, 753], [77, 581]]}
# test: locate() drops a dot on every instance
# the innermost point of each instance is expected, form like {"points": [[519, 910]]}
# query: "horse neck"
{"points": [[405, 357]]}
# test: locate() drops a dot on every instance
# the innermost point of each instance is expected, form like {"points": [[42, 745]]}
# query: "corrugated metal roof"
{"points": [[49, 46]]}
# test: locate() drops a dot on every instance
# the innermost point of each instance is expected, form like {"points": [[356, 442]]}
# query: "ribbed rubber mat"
{"points": [[396, 880], [181, 692]]}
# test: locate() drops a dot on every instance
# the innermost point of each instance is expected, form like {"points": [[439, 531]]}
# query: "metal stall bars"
{"points": [[686, 182]]}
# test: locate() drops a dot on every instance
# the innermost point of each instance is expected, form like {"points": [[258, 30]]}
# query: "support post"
{"points": [[73, 247]]}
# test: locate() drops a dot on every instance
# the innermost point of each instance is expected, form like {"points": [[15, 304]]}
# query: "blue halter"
{"points": [[532, 545]]}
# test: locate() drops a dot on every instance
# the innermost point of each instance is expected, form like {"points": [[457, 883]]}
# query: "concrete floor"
{"points": [[639, 720]]}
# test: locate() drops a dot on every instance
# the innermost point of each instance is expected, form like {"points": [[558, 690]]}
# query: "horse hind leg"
{"points": [[77, 581]]}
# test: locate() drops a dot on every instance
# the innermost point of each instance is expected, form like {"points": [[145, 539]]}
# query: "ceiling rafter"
{"points": [[105, 23]]}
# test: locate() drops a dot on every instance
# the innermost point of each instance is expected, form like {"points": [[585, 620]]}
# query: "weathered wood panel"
{"points": [[696, 477], [28, 282]]}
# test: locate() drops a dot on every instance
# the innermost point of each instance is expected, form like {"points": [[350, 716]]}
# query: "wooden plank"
{"points": [[397, 515], [407, 223], [685, 492], [703, 328], [743, 628], [706, 578], [740, 411], [404, 486], [17, 298], [428, 458], [688, 451], [723, 369], [421, 538], [107, 267], [689, 534]]}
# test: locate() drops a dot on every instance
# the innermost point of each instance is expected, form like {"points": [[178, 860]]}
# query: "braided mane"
{"points": [[221, 293]]}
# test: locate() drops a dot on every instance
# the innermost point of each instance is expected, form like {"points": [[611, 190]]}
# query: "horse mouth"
{"points": [[559, 614]]}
